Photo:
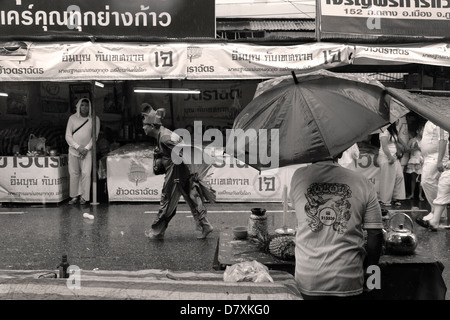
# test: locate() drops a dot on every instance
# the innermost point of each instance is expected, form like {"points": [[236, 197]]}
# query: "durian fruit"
{"points": [[283, 247], [263, 241], [279, 245]]}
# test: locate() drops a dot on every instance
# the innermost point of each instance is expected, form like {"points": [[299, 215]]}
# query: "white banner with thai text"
{"points": [[72, 61], [131, 178], [431, 54], [34, 179]]}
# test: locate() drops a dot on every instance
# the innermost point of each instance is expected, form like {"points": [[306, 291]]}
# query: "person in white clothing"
{"points": [[392, 181], [434, 147], [440, 202], [79, 139], [349, 157], [415, 162]]}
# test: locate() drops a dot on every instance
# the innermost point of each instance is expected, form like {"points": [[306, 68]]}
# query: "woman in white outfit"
{"points": [[434, 147], [392, 181]]}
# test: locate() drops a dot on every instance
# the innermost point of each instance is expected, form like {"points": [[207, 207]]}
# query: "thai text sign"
{"points": [[73, 61], [34, 179], [432, 54], [217, 105], [110, 18], [427, 18], [131, 178]]}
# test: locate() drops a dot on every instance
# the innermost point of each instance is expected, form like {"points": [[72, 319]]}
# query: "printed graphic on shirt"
{"points": [[328, 206]]}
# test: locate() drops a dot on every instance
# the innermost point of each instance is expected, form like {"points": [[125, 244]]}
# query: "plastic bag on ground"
{"points": [[248, 271]]}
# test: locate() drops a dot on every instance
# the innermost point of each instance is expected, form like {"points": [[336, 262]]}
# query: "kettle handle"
{"points": [[404, 214]]}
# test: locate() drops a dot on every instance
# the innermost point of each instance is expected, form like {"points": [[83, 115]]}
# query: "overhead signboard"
{"points": [[424, 18], [108, 18]]}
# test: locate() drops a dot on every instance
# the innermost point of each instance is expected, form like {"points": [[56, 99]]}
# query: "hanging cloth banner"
{"points": [[432, 54], [246, 61], [73, 61]]}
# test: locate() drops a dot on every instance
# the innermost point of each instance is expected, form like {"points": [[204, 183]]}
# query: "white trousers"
{"points": [[429, 181], [443, 193], [80, 176], [392, 181]]}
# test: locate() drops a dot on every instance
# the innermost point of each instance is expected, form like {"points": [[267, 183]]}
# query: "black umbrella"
{"points": [[309, 117]]}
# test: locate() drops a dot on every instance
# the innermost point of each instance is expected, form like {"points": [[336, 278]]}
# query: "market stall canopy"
{"points": [[433, 108]]}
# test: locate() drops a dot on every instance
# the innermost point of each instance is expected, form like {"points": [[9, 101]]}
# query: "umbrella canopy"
{"points": [[317, 115]]}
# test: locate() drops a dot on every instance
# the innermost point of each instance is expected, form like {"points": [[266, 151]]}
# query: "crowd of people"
{"points": [[426, 152], [426, 168]]}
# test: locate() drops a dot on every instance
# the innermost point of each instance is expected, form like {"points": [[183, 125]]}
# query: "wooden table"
{"points": [[412, 277], [230, 251]]}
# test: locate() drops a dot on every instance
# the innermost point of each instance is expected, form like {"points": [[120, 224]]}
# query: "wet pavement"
{"points": [[35, 236]]}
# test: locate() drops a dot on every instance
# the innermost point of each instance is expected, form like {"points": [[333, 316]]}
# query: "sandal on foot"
{"points": [[426, 224]]}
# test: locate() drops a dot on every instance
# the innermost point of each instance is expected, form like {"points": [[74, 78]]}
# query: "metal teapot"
{"points": [[400, 238]]}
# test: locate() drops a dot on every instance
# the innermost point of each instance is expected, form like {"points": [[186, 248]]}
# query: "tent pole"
{"points": [[94, 148]]}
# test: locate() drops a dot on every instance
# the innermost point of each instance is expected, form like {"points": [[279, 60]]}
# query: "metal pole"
{"points": [[94, 147], [318, 20]]}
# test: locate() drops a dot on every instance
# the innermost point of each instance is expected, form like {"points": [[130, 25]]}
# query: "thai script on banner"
{"points": [[386, 17], [34, 179], [432, 54], [71, 61], [31, 161], [389, 9], [72, 18]]}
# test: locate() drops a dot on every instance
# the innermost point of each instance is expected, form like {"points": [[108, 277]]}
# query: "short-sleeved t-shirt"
{"points": [[429, 145], [333, 205]]}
